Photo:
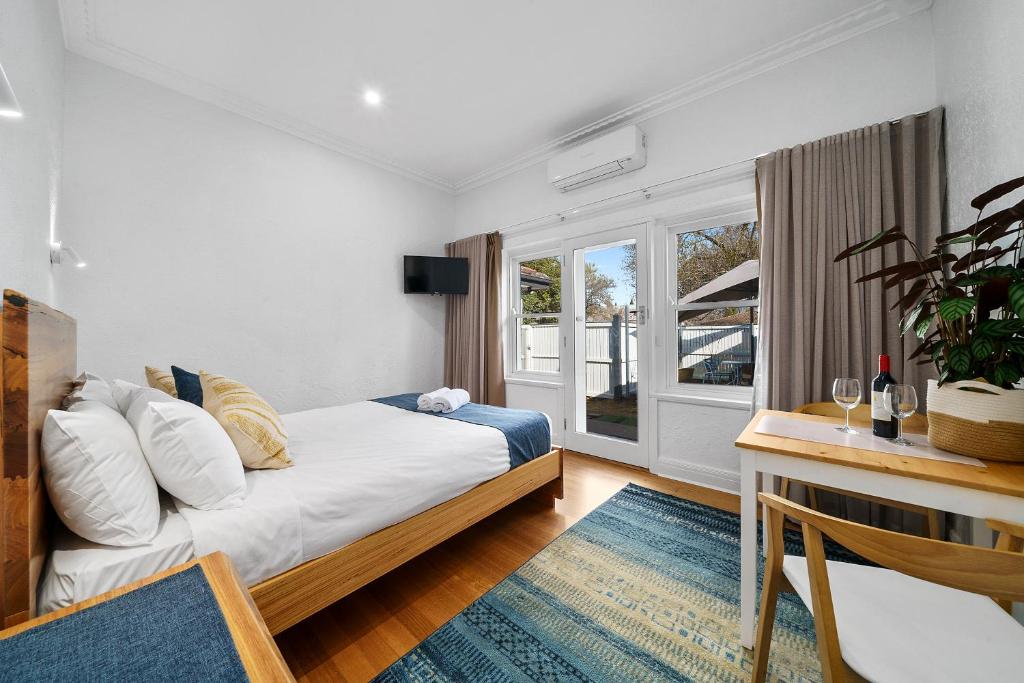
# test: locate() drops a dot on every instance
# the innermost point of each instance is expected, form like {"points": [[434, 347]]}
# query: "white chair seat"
{"points": [[893, 627]]}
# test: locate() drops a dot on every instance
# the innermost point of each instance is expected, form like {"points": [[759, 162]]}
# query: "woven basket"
{"points": [[977, 419]]}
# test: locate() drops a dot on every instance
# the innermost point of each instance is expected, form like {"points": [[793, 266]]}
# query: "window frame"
{"points": [[672, 385], [514, 316]]}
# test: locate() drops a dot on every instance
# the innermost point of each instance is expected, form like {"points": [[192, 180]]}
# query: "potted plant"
{"points": [[967, 309]]}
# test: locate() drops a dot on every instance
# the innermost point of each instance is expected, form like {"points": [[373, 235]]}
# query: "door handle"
{"points": [[641, 315]]}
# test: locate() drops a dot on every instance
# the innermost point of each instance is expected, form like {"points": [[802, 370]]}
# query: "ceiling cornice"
{"points": [[80, 36], [838, 30]]}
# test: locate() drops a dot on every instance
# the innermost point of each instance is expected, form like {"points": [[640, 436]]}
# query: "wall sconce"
{"points": [[57, 251], [9, 106]]}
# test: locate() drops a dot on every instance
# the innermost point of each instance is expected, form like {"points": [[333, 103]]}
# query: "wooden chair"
{"points": [[920, 616], [1010, 537], [861, 417]]}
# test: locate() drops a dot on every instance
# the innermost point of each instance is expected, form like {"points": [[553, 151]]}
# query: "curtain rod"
{"points": [[647, 189]]}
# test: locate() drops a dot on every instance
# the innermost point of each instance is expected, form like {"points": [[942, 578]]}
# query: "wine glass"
{"points": [[846, 392], [901, 402]]}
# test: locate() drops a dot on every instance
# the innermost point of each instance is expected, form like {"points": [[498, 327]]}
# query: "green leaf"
{"points": [[879, 239], [993, 272], [960, 359], [913, 293], [1017, 298], [1006, 374], [999, 328], [983, 199], [982, 347], [1015, 346], [956, 307], [921, 328], [961, 239], [910, 318]]}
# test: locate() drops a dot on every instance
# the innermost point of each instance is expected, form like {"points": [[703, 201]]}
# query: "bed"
{"points": [[373, 486]]}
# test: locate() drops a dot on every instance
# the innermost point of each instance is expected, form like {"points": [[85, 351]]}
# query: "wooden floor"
{"points": [[358, 637]]}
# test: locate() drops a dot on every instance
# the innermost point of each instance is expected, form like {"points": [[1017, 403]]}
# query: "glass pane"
{"points": [[540, 286], [717, 346], [537, 345], [609, 326], [718, 264]]}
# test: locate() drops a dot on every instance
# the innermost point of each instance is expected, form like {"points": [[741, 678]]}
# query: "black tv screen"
{"points": [[436, 275]]}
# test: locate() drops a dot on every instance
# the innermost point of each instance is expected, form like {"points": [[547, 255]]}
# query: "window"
{"points": [[536, 311], [715, 310]]}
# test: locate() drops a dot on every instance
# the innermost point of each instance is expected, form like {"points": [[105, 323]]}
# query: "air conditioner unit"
{"points": [[618, 152]]}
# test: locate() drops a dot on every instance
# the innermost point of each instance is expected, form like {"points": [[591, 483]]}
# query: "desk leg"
{"points": [[748, 547], [768, 486]]}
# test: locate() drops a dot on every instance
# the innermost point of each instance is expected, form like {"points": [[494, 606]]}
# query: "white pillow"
{"points": [[90, 387], [123, 393], [190, 454], [97, 477]]}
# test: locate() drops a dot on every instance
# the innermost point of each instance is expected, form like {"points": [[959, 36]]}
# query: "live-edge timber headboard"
{"points": [[37, 367]]}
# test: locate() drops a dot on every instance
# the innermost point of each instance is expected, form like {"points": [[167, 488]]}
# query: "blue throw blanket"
{"points": [[527, 431], [172, 629]]}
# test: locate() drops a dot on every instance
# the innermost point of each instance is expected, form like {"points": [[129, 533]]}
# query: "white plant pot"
{"points": [[977, 419]]}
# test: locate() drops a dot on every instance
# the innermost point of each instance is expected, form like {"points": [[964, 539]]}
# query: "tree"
{"points": [[600, 304], [703, 255], [545, 300], [629, 263]]}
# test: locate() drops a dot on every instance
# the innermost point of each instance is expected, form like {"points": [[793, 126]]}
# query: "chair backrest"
{"points": [[995, 573], [860, 415], [711, 364]]}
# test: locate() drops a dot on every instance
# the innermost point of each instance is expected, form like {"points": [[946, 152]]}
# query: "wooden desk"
{"points": [[256, 648], [996, 491]]}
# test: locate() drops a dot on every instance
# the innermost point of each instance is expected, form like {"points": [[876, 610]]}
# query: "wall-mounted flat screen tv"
{"points": [[436, 275]]}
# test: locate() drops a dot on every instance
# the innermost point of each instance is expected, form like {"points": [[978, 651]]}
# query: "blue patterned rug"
{"points": [[644, 588]]}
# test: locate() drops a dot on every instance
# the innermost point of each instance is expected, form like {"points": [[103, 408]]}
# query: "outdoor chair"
{"points": [[713, 374]]}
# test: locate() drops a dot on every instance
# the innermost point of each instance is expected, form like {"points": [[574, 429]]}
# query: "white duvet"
{"points": [[358, 468]]}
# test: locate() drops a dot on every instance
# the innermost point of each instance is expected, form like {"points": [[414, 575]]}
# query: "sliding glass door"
{"points": [[606, 340]]}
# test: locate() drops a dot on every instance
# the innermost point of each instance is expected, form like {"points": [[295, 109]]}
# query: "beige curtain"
{"points": [[814, 200], [472, 342]]}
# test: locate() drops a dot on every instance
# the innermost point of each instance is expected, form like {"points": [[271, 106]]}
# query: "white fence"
{"points": [[538, 350], [697, 343]]}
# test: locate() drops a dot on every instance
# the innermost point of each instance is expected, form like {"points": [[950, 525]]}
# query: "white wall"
{"points": [[215, 242], [979, 58], [880, 75], [32, 54]]}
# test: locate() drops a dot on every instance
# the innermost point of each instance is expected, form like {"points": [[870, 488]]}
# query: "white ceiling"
{"points": [[472, 88]]}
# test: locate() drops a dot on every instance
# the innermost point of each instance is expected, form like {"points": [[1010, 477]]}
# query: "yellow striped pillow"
{"points": [[254, 427], [164, 381]]}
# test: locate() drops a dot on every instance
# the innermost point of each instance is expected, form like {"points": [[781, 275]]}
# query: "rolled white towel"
{"points": [[451, 400], [426, 401]]}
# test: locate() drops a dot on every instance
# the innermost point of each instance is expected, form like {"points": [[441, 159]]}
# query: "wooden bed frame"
{"points": [[37, 367]]}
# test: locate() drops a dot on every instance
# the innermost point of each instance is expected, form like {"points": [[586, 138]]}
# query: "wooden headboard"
{"points": [[37, 367]]}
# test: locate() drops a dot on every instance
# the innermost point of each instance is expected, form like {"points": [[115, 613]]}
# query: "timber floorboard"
{"points": [[361, 635]]}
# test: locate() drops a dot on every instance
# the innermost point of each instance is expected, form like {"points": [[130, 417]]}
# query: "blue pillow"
{"points": [[188, 386]]}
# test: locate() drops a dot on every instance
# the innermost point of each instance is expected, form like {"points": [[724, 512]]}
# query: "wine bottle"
{"points": [[883, 424]]}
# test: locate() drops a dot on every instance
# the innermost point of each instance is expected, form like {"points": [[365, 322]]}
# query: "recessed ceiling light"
{"points": [[372, 97]]}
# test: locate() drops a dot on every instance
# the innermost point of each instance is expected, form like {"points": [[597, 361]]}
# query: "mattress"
{"points": [[78, 569], [358, 468]]}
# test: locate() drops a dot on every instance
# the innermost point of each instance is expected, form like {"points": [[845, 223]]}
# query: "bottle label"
{"points": [[878, 409]]}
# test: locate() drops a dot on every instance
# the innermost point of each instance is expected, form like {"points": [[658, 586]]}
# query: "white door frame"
{"points": [[574, 347]]}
